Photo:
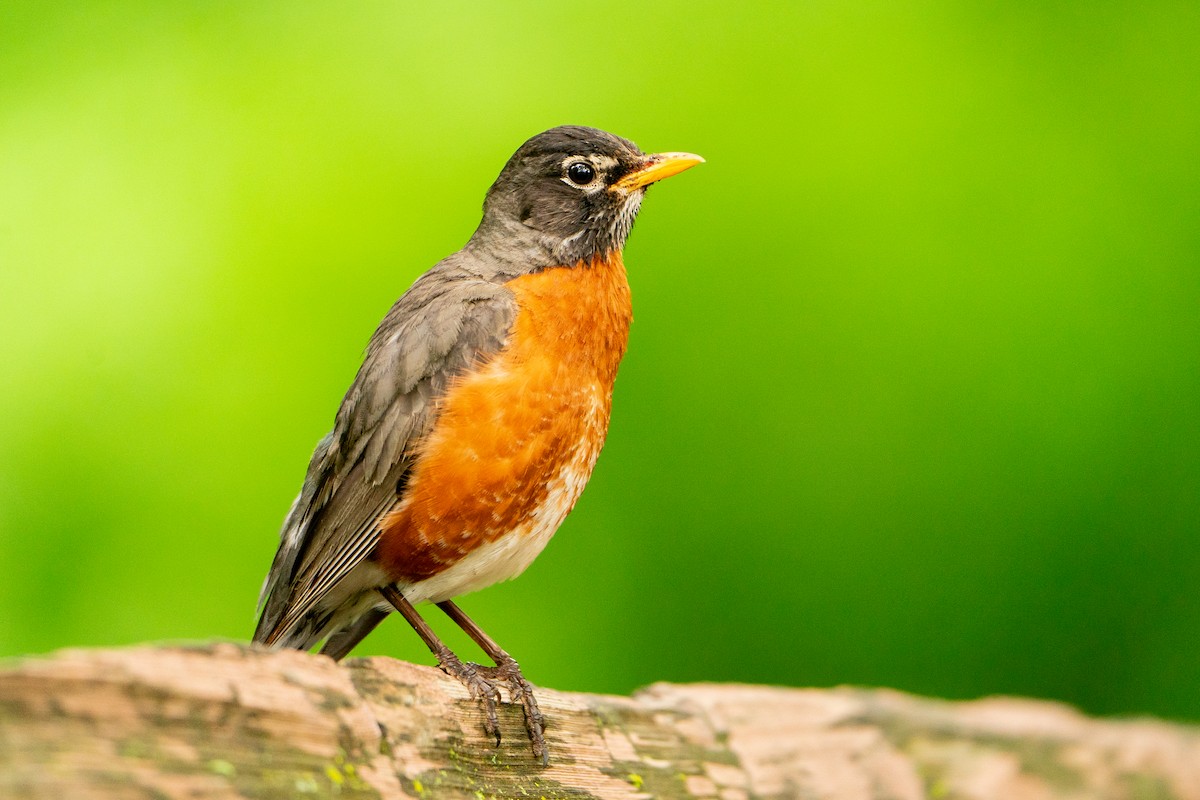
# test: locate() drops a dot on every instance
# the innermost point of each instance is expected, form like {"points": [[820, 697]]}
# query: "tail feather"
{"points": [[302, 635]]}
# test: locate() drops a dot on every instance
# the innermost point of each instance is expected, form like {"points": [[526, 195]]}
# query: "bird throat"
{"points": [[516, 439]]}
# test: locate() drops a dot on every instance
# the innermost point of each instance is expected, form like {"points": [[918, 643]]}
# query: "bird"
{"points": [[476, 418]]}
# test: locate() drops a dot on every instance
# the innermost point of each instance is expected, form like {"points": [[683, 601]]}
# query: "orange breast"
{"points": [[515, 439]]}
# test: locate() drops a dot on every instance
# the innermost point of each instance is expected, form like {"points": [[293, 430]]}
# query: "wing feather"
{"points": [[448, 321]]}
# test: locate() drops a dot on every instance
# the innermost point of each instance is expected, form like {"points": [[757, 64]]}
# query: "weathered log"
{"points": [[226, 721]]}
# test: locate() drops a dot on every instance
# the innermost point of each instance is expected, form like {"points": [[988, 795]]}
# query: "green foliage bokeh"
{"points": [[912, 395]]}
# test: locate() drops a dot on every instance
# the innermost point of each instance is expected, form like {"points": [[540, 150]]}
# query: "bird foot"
{"points": [[521, 691], [481, 682]]}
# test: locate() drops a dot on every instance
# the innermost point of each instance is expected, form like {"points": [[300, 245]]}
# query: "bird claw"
{"points": [[481, 689], [481, 682], [521, 691]]}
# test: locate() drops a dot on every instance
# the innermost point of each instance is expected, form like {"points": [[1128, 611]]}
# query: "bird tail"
{"points": [[342, 623]]}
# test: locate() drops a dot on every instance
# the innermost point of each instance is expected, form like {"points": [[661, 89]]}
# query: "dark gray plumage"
{"points": [[534, 219]]}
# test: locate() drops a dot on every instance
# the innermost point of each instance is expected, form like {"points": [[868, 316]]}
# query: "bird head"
{"points": [[572, 194]]}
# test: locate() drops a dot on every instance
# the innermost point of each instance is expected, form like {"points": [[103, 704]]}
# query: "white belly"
{"points": [[508, 556]]}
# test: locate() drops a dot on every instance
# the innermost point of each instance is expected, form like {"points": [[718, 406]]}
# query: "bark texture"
{"points": [[226, 721]]}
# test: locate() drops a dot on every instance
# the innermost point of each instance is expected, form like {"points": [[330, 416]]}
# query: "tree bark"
{"points": [[226, 721]]}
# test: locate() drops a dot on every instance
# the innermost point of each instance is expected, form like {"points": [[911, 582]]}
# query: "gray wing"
{"points": [[448, 321]]}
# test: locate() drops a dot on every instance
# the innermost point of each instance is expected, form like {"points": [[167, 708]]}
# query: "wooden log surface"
{"points": [[228, 721]]}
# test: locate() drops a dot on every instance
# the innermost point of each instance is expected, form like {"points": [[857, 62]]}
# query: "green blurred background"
{"points": [[912, 396]]}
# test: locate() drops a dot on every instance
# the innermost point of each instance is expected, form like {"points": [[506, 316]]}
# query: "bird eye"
{"points": [[581, 173]]}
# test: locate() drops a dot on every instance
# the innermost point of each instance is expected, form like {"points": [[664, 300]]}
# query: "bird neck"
{"points": [[513, 248]]}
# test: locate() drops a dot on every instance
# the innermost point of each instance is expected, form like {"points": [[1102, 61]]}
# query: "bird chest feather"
{"points": [[517, 438]]}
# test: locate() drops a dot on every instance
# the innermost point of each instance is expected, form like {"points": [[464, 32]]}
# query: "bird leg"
{"points": [[509, 671], [479, 680]]}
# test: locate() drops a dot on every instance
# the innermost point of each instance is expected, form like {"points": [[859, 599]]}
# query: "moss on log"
{"points": [[226, 721]]}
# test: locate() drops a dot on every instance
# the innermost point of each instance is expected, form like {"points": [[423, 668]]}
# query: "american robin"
{"points": [[476, 417]]}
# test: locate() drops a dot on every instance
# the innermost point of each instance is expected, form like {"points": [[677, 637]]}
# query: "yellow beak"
{"points": [[655, 168]]}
